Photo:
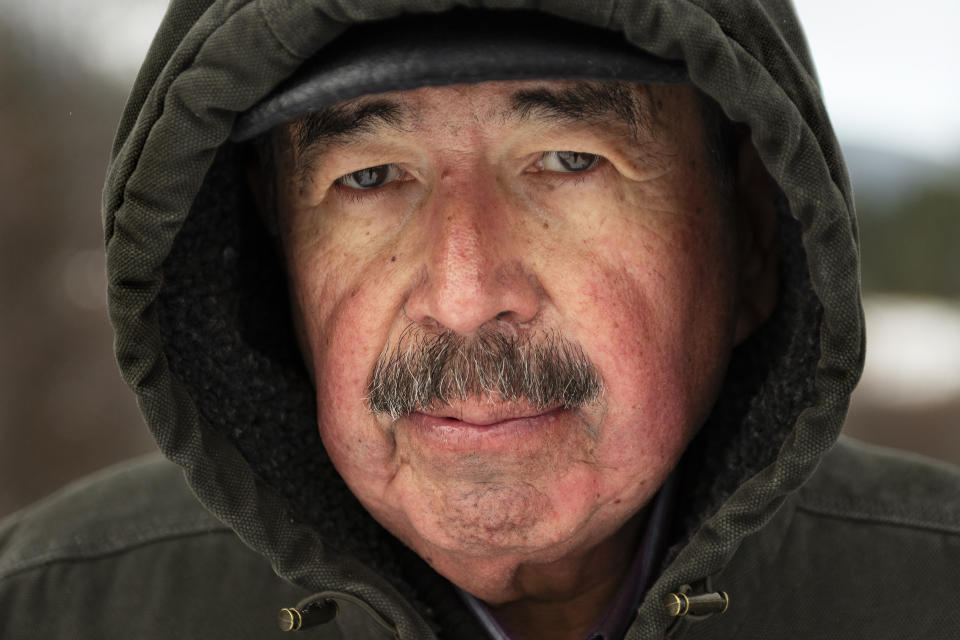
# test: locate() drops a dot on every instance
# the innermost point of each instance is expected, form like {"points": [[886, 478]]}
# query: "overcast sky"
{"points": [[890, 69]]}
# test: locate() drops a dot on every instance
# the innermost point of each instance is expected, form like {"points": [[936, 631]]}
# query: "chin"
{"points": [[485, 549]]}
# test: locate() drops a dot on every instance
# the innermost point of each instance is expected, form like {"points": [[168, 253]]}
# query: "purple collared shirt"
{"points": [[615, 621]]}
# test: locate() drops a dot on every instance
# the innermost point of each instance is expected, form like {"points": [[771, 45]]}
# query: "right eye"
{"points": [[569, 161], [370, 178]]}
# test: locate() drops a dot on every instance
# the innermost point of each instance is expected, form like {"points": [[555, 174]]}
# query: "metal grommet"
{"points": [[289, 619], [677, 604], [307, 614]]}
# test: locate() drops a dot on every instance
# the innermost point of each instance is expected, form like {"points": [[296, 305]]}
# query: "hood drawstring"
{"points": [[680, 604], [322, 608], [316, 612]]}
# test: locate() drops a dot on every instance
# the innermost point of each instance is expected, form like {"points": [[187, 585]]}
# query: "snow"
{"points": [[913, 351]]}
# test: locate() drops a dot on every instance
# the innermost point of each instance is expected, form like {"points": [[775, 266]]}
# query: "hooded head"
{"points": [[517, 299], [495, 312]]}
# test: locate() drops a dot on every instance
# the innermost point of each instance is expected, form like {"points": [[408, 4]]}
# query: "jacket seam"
{"points": [[66, 554], [841, 190], [839, 512], [121, 190]]}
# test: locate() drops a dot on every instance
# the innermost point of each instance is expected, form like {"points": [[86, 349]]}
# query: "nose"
{"points": [[474, 269]]}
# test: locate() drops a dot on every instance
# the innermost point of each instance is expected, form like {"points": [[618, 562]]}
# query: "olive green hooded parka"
{"points": [[809, 537]]}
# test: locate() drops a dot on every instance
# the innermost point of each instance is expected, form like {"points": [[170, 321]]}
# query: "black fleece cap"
{"points": [[457, 47]]}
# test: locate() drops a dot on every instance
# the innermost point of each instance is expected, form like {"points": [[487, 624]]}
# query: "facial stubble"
{"points": [[482, 499]]}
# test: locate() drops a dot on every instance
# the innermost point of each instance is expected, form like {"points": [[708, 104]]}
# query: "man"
{"points": [[486, 324]]}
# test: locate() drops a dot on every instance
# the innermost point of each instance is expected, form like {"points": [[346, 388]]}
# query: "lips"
{"points": [[508, 429], [484, 413]]}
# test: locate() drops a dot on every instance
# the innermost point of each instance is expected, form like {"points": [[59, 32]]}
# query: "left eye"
{"points": [[371, 177], [568, 161]]}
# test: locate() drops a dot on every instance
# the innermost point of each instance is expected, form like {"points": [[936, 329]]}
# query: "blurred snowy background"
{"points": [[889, 72]]}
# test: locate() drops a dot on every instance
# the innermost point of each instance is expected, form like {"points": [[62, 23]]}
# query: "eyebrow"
{"points": [[329, 125], [583, 101]]}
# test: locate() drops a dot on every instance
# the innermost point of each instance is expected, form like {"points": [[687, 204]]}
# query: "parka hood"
{"points": [[204, 336]]}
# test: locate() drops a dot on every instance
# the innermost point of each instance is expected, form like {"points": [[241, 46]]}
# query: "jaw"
{"points": [[506, 543], [493, 521], [504, 487], [485, 509]]}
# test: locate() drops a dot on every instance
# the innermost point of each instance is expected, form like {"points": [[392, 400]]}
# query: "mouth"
{"points": [[474, 427], [484, 413]]}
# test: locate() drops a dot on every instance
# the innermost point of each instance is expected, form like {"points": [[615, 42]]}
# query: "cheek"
{"points": [[662, 367], [339, 277], [637, 341], [357, 444], [654, 310], [343, 316]]}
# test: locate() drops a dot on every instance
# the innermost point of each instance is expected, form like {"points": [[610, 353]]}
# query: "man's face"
{"points": [[535, 212]]}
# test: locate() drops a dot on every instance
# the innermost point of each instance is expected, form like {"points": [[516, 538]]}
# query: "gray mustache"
{"points": [[424, 370]]}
